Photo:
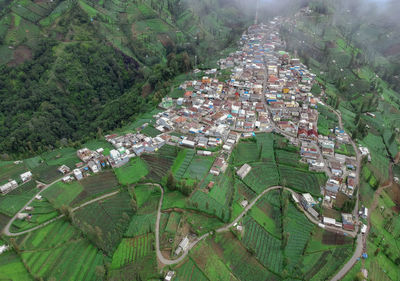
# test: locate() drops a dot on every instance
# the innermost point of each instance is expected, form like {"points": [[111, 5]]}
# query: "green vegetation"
{"points": [[104, 222], [12, 267], [58, 251], [61, 194], [146, 44], [16, 199], [266, 247], [132, 249], [132, 172]]}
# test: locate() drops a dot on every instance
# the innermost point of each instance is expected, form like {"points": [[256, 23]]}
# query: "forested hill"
{"points": [[71, 70]]}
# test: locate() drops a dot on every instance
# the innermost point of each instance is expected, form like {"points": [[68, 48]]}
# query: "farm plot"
{"points": [[42, 211], [223, 188], [298, 229], [141, 224], [201, 224], [265, 144], [9, 170], [75, 260], [284, 157], [323, 240], [132, 172], [173, 222], [243, 191], [60, 193], [326, 120], [158, 166], [266, 247], [189, 271], [58, 251], [302, 181], [203, 202], [267, 213], [182, 163], [174, 199], [328, 264], [245, 152], [95, 185], [58, 157], [3, 221], [150, 131], [144, 268], [12, 268], [46, 173], [11, 203], [106, 221], [261, 176], [242, 263], [212, 266], [132, 249], [199, 167], [52, 235]]}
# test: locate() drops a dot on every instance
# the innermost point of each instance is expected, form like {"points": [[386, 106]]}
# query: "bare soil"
{"points": [[21, 54]]}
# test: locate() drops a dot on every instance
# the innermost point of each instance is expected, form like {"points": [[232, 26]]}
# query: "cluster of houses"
{"points": [[13, 184]]}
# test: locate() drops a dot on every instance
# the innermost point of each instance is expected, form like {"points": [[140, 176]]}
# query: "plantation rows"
{"points": [[185, 164], [287, 158], [107, 220], [159, 166], [262, 175], [242, 264], [131, 249], [299, 230], [334, 260], [301, 180], [141, 224], [265, 143], [207, 204], [267, 248], [71, 261], [189, 271], [246, 152], [53, 235]]}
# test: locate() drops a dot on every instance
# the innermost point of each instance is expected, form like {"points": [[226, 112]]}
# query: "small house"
{"points": [[27, 176]]}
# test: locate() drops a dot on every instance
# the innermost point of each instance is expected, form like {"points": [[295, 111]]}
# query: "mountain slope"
{"points": [[72, 69]]}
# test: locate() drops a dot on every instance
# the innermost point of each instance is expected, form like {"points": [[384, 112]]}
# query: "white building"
{"points": [[182, 246], [78, 174], [243, 171], [27, 176], [8, 187]]}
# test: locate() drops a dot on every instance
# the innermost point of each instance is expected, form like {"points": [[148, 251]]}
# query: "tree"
{"points": [[134, 205], [171, 184], [67, 212]]}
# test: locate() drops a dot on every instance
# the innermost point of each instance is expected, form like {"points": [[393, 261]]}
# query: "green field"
{"points": [[266, 247], [189, 271], [199, 167], [11, 203], [95, 185], [9, 170], [132, 249], [245, 152], [105, 221], [58, 251], [298, 229], [132, 172], [270, 176], [12, 267], [141, 224], [60, 193], [150, 131], [174, 199], [301, 180], [159, 163]]}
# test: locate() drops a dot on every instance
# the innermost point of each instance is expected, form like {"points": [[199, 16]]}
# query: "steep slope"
{"points": [[73, 69]]}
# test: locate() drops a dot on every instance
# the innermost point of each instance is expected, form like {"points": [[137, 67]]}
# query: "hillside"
{"points": [[67, 67]]}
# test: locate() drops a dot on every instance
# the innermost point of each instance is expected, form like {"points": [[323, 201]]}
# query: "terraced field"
{"points": [[132, 249]]}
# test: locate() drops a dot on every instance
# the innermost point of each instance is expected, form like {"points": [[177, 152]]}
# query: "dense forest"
{"points": [[91, 69]]}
